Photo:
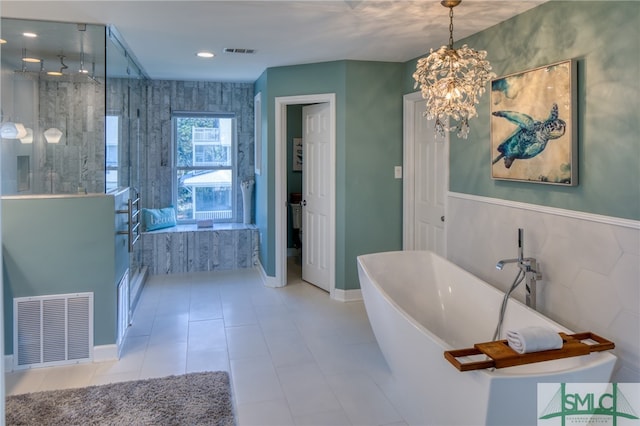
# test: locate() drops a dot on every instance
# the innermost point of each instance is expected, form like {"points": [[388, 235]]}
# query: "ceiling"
{"points": [[165, 35], [57, 46]]}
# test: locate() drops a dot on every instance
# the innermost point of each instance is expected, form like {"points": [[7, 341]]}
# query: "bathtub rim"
{"points": [[597, 358]]}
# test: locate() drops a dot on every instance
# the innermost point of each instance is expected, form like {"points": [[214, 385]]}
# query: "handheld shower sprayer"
{"points": [[520, 244]]}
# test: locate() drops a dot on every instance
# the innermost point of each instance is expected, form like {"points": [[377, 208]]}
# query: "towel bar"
{"points": [[133, 224]]}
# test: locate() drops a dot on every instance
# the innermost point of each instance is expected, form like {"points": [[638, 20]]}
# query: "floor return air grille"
{"points": [[52, 330]]}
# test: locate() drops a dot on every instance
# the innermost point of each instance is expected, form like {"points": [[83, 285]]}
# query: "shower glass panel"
{"points": [[126, 87], [53, 108]]}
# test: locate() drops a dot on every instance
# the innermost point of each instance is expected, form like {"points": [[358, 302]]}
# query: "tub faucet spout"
{"points": [[503, 262]]}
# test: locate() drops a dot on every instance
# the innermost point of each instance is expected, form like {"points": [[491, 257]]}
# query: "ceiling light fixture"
{"points": [[205, 54], [29, 59], [82, 28], [452, 82], [2, 41], [30, 35], [28, 138], [82, 70], [63, 67], [52, 135], [13, 130]]}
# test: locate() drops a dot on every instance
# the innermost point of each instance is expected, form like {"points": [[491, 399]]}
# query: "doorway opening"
{"points": [[282, 196], [426, 181]]}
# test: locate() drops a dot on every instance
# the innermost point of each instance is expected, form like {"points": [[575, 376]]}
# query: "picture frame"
{"points": [[533, 130], [297, 155]]}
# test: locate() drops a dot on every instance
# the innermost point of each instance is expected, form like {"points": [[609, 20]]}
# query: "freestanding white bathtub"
{"points": [[420, 305]]}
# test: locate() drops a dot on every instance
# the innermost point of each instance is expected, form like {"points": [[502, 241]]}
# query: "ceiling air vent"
{"points": [[238, 50]]}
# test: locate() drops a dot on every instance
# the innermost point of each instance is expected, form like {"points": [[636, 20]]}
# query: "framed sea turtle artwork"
{"points": [[533, 125]]}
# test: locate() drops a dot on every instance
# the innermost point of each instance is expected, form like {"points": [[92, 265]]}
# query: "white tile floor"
{"points": [[295, 356]]}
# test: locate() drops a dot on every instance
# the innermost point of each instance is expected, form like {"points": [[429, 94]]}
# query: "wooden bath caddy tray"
{"points": [[501, 355]]}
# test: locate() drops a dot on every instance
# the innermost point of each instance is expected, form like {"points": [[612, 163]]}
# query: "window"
{"points": [[204, 166], [112, 136]]}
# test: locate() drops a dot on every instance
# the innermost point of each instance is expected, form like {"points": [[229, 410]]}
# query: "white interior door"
{"points": [[315, 193], [426, 183]]}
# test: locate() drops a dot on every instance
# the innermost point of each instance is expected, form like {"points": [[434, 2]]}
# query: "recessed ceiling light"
{"points": [[30, 35], [204, 54]]}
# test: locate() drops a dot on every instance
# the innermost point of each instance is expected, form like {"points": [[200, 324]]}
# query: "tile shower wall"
{"points": [[188, 250], [590, 265], [77, 162], [184, 249], [163, 97]]}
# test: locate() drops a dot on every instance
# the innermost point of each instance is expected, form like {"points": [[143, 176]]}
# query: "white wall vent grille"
{"points": [[52, 330], [239, 50]]}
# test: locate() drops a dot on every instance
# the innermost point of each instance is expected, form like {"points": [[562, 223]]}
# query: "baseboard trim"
{"points": [[100, 354], [353, 295], [267, 281], [574, 214]]}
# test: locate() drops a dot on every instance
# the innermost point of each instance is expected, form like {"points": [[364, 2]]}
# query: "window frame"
{"points": [[176, 169]]}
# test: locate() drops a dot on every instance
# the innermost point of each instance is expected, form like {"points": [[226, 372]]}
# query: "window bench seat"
{"points": [[185, 248]]}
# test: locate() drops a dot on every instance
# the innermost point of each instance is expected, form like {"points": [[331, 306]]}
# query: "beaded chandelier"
{"points": [[452, 82]]}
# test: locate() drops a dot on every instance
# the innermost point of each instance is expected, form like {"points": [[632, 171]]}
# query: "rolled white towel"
{"points": [[533, 339]]}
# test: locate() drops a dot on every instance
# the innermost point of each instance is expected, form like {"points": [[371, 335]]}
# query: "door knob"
{"points": [[441, 218], [304, 203]]}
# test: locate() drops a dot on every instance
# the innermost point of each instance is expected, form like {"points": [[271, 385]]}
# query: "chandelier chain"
{"points": [[451, 27]]}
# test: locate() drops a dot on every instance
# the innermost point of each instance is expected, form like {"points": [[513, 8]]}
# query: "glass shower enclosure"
{"points": [[73, 116]]}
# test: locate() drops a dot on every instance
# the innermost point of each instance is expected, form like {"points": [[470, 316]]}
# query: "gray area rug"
{"points": [[191, 399]]}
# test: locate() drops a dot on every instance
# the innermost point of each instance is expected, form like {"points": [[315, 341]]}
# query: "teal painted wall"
{"points": [[369, 145], [371, 197], [296, 80], [604, 38], [56, 246]]}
